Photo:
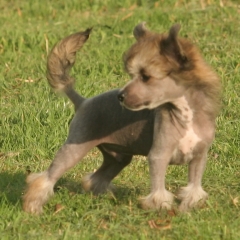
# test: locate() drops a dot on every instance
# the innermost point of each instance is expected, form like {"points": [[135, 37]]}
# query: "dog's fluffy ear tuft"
{"points": [[171, 47], [174, 30], [140, 30]]}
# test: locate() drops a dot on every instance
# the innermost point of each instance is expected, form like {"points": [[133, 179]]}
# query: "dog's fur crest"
{"points": [[170, 108], [183, 62]]}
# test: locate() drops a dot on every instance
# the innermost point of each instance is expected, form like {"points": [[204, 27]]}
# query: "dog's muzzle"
{"points": [[121, 96]]}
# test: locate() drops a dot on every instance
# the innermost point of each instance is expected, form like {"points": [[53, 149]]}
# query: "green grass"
{"points": [[34, 121]]}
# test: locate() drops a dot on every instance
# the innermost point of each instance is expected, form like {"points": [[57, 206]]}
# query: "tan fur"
{"points": [[196, 73], [60, 61], [201, 76], [86, 182], [191, 197], [65, 49], [155, 200], [38, 192], [97, 188]]}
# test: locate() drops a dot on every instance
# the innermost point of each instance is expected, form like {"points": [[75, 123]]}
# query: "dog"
{"points": [[167, 112]]}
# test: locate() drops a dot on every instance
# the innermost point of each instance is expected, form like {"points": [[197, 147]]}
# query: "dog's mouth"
{"points": [[132, 103], [136, 107]]}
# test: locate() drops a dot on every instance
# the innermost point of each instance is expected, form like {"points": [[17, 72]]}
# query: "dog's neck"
{"points": [[192, 103], [185, 113], [184, 110], [188, 111]]}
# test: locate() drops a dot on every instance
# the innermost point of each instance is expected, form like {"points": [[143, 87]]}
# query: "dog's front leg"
{"points": [[159, 158], [159, 196], [193, 195]]}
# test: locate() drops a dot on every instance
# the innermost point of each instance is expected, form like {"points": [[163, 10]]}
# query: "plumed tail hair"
{"points": [[60, 61]]}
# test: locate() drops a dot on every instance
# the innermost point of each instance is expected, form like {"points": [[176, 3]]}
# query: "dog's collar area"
{"points": [[184, 113]]}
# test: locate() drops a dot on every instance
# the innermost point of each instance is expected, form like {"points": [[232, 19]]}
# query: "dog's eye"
{"points": [[144, 77]]}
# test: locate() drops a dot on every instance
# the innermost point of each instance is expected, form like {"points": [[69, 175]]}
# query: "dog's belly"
{"points": [[184, 152], [135, 139], [125, 150]]}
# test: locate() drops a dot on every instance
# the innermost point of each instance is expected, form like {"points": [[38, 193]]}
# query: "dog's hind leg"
{"points": [[40, 185], [193, 195], [100, 181]]}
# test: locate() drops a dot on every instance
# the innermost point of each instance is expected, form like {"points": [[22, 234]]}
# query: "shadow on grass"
{"points": [[11, 186], [70, 185], [122, 194]]}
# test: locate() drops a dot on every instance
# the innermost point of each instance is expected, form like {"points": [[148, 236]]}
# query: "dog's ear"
{"points": [[172, 49], [140, 31]]}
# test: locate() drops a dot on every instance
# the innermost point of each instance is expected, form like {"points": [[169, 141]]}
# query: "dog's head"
{"points": [[150, 63]]}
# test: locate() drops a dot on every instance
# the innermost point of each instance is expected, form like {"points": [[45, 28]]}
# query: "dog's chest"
{"points": [[184, 150], [183, 153]]}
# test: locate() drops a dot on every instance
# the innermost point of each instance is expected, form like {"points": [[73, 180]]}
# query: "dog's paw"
{"points": [[87, 182], [157, 200], [32, 206], [91, 183], [191, 197], [38, 192]]}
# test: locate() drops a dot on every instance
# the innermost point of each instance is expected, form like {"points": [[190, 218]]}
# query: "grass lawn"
{"points": [[34, 121]]}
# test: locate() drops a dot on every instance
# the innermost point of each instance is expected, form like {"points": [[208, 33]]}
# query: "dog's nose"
{"points": [[121, 96]]}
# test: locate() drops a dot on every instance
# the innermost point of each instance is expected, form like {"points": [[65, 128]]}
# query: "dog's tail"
{"points": [[60, 61]]}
